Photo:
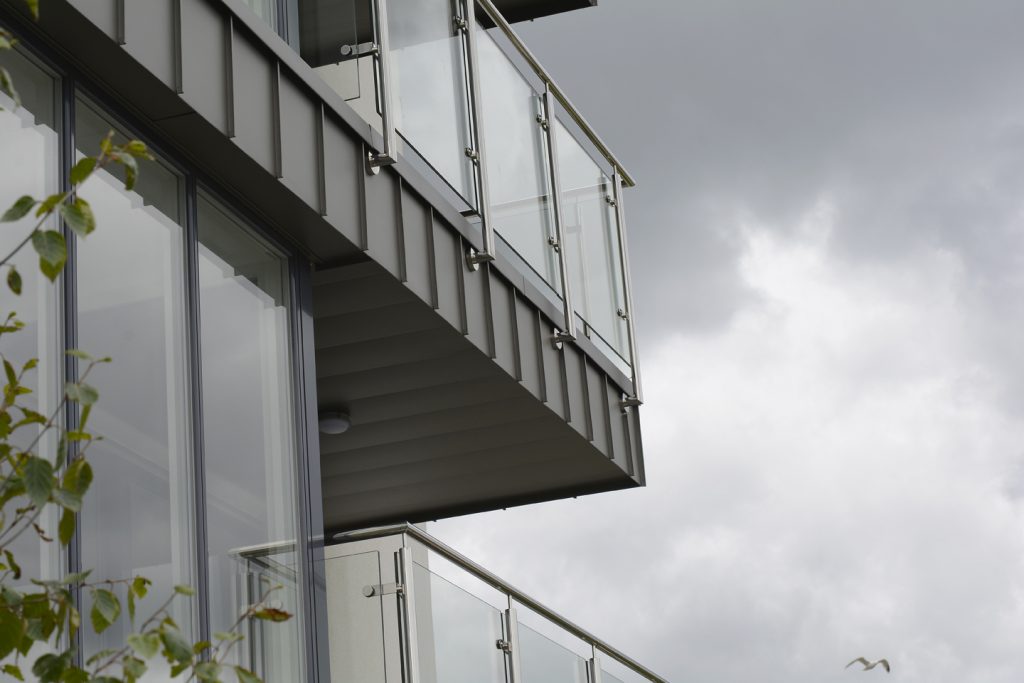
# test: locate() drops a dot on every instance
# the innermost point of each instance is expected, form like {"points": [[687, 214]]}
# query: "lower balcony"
{"points": [[403, 606]]}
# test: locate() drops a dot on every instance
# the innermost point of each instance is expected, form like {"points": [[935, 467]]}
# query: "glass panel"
{"points": [[592, 242], [265, 10], [545, 661], [429, 85], [336, 38], [249, 444], [456, 633], [355, 622], [608, 678], [137, 518], [517, 169], [30, 142]]}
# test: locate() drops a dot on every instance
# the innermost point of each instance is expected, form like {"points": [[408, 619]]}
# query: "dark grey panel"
{"points": [[255, 83], [596, 397], [531, 364], [636, 446], [617, 421], [204, 66], [418, 254], [381, 196], [103, 13], [576, 390], [343, 182], [554, 372], [503, 320], [447, 262], [374, 324], [300, 143], [150, 36], [431, 344], [477, 308]]}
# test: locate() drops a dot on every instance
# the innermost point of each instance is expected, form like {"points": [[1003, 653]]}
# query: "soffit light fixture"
{"points": [[334, 422]]}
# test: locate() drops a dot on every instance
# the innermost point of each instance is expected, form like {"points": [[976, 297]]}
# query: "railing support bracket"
{"points": [[474, 258]]}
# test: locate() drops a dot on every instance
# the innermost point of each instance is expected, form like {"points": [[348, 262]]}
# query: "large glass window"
{"points": [[249, 443], [28, 138], [137, 519]]}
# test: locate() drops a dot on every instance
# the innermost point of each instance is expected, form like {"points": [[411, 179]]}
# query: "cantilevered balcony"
{"points": [[402, 606]]}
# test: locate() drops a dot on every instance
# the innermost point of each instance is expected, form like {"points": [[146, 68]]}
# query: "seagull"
{"points": [[870, 665]]}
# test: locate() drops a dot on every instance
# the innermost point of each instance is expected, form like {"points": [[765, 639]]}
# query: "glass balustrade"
{"points": [[410, 67], [393, 616]]}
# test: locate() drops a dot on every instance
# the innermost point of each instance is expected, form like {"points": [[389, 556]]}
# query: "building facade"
{"points": [[377, 275]]}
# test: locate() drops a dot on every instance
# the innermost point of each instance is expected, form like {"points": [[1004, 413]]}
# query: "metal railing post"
{"points": [[515, 674], [568, 332], [477, 154], [594, 666], [407, 614], [388, 154], [627, 291]]}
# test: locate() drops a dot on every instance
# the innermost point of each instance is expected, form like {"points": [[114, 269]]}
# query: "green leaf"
{"points": [[106, 608], [12, 629], [33, 7], [78, 216], [140, 586], [133, 667], [228, 636], [145, 645], [66, 527], [7, 86], [176, 647], [81, 355], [18, 209], [52, 250], [67, 499], [82, 393], [272, 614], [38, 478], [10, 596], [246, 676], [12, 376], [184, 590], [15, 567], [49, 667], [14, 280], [201, 645], [137, 148], [208, 672], [14, 671], [78, 476], [74, 675], [131, 170], [47, 204], [82, 170]]}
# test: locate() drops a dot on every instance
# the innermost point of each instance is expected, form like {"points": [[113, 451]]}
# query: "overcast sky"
{"points": [[828, 258]]}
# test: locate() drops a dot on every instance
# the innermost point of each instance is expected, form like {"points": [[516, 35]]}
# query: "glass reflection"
{"points": [[249, 445], [592, 241], [30, 142], [456, 633], [545, 661], [137, 518], [516, 161], [429, 84]]}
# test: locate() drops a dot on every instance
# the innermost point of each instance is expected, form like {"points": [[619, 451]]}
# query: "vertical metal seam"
{"points": [[517, 349], [201, 543], [539, 339], [275, 121], [587, 409], [461, 279], [176, 22], [492, 346], [432, 258], [609, 432], [119, 22], [403, 275], [229, 75], [563, 367], [321, 159], [364, 209]]}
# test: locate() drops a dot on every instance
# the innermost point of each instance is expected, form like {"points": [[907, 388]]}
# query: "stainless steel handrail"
{"points": [[495, 15], [499, 584]]}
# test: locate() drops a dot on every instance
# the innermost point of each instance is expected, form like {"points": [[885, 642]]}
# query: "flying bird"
{"points": [[870, 665]]}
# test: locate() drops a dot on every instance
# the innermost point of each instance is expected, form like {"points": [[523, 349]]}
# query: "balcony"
{"points": [[402, 606]]}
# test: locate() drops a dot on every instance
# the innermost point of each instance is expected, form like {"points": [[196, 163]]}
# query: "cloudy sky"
{"points": [[828, 252]]}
